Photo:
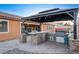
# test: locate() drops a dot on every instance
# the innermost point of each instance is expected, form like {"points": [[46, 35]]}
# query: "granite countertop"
{"points": [[38, 32]]}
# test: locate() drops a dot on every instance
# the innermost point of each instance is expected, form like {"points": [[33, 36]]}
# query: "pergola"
{"points": [[56, 15]]}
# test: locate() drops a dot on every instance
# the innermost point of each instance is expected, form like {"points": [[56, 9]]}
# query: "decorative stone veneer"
{"points": [[38, 38], [74, 46], [23, 38]]}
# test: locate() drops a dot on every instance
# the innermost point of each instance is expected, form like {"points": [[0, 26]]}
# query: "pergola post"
{"points": [[75, 25], [23, 34], [74, 44]]}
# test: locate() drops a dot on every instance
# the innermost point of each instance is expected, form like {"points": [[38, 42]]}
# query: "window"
{"points": [[3, 25], [50, 27]]}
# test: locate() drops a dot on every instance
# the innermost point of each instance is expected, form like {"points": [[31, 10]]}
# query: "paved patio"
{"points": [[17, 51], [14, 47], [8, 45], [47, 47]]}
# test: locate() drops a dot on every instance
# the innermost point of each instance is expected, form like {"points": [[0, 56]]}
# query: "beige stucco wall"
{"points": [[14, 31], [44, 27]]}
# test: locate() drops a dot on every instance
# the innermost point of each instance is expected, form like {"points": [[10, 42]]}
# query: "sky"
{"points": [[31, 9]]}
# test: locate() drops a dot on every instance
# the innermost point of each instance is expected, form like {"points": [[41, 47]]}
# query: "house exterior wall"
{"points": [[50, 26], [14, 31], [47, 27], [43, 26]]}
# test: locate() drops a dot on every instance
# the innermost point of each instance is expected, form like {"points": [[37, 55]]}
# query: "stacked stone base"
{"points": [[74, 46], [23, 38], [38, 38]]}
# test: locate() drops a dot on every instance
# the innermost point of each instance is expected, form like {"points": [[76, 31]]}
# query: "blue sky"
{"points": [[30, 9]]}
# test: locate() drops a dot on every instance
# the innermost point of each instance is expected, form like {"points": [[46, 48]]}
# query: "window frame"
{"points": [[7, 26]]}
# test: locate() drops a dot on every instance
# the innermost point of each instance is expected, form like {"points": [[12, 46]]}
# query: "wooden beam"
{"points": [[70, 15]]}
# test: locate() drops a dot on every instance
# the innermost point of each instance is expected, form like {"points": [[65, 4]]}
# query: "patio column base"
{"points": [[74, 46], [23, 38]]}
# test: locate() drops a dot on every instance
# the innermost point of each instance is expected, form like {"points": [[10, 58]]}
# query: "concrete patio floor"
{"points": [[45, 48], [17, 51], [8, 45], [14, 47]]}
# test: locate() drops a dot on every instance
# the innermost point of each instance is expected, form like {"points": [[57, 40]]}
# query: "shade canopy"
{"points": [[52, 15], [55, 15]]}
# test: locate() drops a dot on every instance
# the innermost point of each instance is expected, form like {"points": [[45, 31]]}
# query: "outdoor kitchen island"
{"points": [[37, 37]]}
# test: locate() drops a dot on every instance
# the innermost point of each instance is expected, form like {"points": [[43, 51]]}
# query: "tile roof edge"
{"points": [[4, 13]]}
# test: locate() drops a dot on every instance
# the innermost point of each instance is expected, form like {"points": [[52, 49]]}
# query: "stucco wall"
{"points": [[14, 31], [44, 27]]}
